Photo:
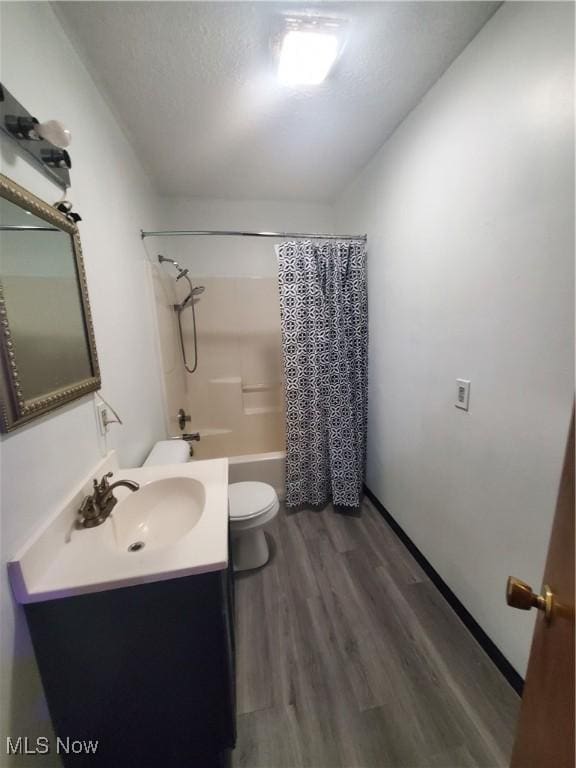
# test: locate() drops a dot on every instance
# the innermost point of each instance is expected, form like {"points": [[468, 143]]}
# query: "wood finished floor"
{"points": [[348, 657]]}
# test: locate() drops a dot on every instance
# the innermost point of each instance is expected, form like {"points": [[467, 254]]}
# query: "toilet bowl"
{"points": [[251, 506]]}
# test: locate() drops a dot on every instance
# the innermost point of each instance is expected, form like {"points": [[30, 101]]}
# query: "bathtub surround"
{"points": [[324, 321], [241, 297], [41, 463], [235, 397], [469, 208]]}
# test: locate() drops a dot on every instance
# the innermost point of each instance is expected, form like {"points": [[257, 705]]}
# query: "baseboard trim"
{"points": [[463, 614]]}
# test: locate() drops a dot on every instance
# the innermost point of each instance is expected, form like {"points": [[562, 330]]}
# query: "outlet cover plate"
{"points": [[462, 394], [102, 415]]}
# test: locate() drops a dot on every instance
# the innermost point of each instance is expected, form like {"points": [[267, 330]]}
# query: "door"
{"points": [[545, 734]]}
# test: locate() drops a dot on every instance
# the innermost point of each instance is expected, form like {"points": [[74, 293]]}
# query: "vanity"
{"points": [[132, 620]]}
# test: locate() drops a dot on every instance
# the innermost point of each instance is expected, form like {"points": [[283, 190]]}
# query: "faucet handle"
{"points": [[101, 487]]}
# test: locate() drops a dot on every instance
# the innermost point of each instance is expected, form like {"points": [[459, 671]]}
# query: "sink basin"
{"points": [[159, 514], [175, 525]]}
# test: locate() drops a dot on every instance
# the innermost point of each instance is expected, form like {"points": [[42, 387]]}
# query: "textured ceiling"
{"points": [[195, 87]]}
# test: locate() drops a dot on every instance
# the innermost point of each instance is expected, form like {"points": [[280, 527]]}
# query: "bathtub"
{"points": [[264, 467]]}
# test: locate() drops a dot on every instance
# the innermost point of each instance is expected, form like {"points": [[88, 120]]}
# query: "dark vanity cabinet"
{"points": [[147, 671]]}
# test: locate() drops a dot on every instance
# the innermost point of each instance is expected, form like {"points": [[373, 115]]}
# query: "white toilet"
{"points": [[251, 506]]}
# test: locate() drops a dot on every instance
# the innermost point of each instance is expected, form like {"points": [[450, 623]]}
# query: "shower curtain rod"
{"points": [[234, 233]]}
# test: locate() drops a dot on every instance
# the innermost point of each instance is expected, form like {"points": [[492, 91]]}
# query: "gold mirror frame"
{"points": [[15, 410]]}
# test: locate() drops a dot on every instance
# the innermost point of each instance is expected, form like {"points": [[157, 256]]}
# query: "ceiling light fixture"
{"points": [[308, 50]]}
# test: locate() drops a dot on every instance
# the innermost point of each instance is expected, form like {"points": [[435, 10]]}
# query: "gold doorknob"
{"points": [[520, 595]]}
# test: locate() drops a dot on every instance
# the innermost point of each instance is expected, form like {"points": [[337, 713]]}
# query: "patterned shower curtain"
{"points": [[324, 319]]}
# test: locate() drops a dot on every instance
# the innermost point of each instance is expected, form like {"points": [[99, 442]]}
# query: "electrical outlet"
{"points": [[102, 415], [462, 394]]}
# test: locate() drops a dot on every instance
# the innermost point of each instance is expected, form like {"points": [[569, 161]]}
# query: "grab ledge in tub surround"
{"points": [[59, 561]]}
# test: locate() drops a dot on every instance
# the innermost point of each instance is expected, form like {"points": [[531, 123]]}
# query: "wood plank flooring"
{"points": [[348, 657]]}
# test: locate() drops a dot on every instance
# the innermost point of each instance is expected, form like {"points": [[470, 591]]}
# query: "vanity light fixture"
{"points": [[25, 127], [308, 50], [56, 158], [43, 143]]}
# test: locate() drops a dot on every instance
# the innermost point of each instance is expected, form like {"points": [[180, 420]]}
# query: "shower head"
{"points": [[182, 271], [162, 259], [194, 291]]}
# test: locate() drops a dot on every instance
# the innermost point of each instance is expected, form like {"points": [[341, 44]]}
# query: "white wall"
{"points": [[225, 256], [43, 461], [469, 209]]}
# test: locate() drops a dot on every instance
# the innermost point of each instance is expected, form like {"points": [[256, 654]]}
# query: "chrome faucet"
{"points": [[96, 508]]}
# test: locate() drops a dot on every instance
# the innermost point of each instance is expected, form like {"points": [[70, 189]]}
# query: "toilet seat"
{"points": [[249, 500]]}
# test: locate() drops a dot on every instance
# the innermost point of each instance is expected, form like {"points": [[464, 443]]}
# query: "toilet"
{"points": [[251, 506]]}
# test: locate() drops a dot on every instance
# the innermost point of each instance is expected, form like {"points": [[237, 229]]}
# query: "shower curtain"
{"points": [[324, 321]]}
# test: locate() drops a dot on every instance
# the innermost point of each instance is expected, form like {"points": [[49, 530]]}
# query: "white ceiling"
{"points": [[195, 87]]}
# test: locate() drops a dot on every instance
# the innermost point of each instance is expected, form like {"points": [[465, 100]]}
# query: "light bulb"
{"points": [[54, 132]]}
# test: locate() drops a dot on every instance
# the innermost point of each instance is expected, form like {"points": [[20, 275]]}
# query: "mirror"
{"points": [[46, 335]]}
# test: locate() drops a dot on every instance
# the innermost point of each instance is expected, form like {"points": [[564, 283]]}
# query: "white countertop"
{"points": [[59, 561]]}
